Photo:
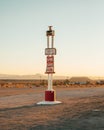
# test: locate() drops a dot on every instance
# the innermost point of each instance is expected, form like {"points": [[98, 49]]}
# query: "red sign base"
{"points": [[50, 95]]}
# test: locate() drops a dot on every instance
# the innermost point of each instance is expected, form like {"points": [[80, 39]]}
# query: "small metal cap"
{"points": [[50, 28]]}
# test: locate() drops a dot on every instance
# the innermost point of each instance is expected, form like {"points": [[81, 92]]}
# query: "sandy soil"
{"points": [[81, 109]]}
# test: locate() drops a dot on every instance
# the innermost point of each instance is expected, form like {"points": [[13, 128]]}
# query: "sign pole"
{"points": [[50, 85], [50, 51]]}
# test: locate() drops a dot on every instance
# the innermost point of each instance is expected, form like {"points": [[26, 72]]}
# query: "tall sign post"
{"points": [[50, 51]]}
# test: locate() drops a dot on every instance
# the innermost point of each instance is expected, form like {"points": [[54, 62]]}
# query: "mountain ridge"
{"points": [[35, 76]]}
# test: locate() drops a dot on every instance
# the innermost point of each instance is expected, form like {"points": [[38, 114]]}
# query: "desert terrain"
{"points": [[82, 108]]}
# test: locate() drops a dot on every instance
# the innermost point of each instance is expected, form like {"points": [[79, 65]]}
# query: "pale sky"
{"points": [[79, 36]]}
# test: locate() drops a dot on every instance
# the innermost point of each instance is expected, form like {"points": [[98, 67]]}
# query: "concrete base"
{"points": [[48, 102]]}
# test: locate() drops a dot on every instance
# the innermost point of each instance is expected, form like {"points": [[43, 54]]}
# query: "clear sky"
{"points": [[79, 40]]}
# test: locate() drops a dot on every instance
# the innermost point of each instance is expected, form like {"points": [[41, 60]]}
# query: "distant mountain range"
{"points": [[39, 76], [36, 76]]}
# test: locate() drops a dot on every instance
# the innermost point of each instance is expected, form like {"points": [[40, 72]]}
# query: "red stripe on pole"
{"points": [[50, 95]]}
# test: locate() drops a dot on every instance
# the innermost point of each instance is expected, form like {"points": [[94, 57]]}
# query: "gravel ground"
{"points": [[81, 109]]}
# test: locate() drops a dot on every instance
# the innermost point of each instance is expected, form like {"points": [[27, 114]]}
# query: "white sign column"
{"points": [[50, 51]]}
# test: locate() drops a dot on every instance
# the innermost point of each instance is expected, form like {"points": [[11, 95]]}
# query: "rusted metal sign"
{"points": [[50, 51], [50, 65]]}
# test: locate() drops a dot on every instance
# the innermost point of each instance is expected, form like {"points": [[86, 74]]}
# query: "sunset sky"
{"points": [[79, 36]]}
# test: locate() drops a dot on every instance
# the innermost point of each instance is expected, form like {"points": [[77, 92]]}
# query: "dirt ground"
{"points": [[81, 109]]}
